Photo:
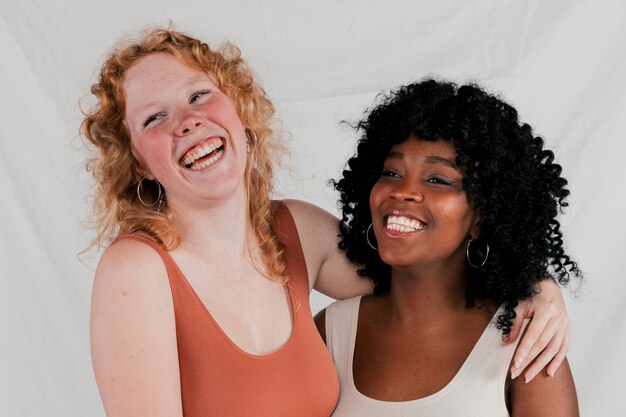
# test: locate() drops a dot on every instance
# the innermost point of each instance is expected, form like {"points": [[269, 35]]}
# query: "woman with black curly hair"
{"points": [[450, 205]]}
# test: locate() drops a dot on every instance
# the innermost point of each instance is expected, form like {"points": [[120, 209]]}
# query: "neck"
{"points": [[221, 231], [437, 289]]}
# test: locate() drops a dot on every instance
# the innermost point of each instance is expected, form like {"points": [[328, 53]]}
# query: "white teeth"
{"points": [[200, 151], [208, 162], [404, 224]]}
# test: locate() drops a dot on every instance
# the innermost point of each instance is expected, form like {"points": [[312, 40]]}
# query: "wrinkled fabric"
{"points": [[562, 63]]}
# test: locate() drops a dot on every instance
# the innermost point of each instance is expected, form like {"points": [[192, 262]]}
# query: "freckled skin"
{"points": [[170, 108]]}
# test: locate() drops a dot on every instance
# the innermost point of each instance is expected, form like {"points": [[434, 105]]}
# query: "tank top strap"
{"points": [[285, 228], [342, 319], [487, 365]]}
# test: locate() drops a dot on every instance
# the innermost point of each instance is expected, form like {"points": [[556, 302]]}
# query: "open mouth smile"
{"points": [[398, 224], [203, 155]]}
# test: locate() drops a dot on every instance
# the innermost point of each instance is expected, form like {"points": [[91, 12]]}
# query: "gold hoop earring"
{"points": [[159, 199], [467, 254], [367, 237]]}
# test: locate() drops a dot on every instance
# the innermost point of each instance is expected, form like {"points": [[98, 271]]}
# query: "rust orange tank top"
{"points": [[221, 380]]}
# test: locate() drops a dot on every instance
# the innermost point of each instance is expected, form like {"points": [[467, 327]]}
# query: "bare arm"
{"points": [[330, 271], [133, 334], [545, 395]]}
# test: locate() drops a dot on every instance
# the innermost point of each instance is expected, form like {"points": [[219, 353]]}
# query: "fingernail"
{"points": [[518, 362], [514, 374], [550, 373], [529, 377]]}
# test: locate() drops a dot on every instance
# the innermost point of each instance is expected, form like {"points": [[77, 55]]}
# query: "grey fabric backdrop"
{"points": [[561, 63]]}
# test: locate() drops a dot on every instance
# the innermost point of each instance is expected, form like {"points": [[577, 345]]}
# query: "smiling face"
{"points": [[420, 212], [184, 131]]}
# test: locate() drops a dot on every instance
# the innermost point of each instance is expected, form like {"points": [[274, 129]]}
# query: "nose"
{"points": [[408, 191], [188, 124]]}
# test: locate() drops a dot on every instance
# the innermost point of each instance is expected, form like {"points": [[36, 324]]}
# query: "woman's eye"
{"points": [[438, 180], [195, 96], [152, 118], [389, 173]]}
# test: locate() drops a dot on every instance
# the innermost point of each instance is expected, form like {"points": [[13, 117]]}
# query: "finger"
{"points": [[537, 344], [530, 338], [550, 333], [522, 311], [542, 360], [560, 357]]}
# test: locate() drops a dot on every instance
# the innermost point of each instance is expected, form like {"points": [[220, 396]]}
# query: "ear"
{"points": [[475, 228], [143, 172]]}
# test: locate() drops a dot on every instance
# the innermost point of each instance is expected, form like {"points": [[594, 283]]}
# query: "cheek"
{"points": [[225, 114], [138, 152], [376, 197], [226, 109], [150, 155], [459, 213], [144, 154]]}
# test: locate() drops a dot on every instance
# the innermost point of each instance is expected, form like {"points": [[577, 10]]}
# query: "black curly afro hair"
{"points": [[509, 177]]}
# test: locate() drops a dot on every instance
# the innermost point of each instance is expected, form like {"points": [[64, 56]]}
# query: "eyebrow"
{"points": [[395, 155], [431, 159], [440, 160]]}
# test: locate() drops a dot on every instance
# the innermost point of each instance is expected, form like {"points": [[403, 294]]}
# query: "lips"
{"points": [[403, 224], [204, 154], [398, 223]]}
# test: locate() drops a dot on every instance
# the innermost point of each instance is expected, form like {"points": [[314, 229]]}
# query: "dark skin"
{"points": [[391, 366], [413, 340], [437, 346]]}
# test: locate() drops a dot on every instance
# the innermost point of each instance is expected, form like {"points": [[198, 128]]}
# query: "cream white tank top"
{"points": [[477, 389]]}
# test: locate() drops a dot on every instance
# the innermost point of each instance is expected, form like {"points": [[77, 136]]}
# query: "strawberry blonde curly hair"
{"points": [[117, 208]]}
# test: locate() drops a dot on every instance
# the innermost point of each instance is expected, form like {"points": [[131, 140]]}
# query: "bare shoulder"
{"points": [[133, 333], [307, 214], [129, 256], [545, 395], [130, 272]]}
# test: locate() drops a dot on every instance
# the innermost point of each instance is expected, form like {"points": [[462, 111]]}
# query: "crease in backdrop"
{"points": [[561, 63]]}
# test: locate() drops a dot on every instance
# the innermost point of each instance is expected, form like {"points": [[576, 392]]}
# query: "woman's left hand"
{"points": [[546, 340]]}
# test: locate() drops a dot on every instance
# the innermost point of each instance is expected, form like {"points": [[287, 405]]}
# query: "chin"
{"points": [[394, 259]]}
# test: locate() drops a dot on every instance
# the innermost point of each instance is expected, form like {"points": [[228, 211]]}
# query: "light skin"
{"points": [[132, 323], [170, 108], [412, 340]]}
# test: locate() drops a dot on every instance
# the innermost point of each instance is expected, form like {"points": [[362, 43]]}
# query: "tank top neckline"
{"points": [[266, 356], [485, 337]]}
